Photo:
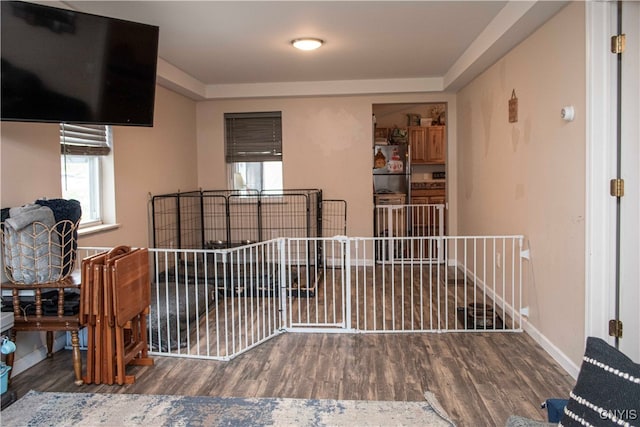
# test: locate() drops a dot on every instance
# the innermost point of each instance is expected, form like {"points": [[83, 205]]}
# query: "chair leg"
{"points": [[11, 356], [77, 360], [90, 354], [49, 344], [119, 350]]}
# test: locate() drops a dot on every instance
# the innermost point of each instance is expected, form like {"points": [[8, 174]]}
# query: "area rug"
{"points": [[93, 409]]}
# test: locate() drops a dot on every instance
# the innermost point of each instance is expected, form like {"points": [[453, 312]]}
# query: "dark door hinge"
{"points": [[615, 328], [618, 43], [617, 187]]}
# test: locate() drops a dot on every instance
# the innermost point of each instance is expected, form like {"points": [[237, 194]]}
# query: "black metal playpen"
{"points": [[218, 219]]}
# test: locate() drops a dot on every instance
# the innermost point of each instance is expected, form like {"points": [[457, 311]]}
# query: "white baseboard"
{"points": [[556, 354], [553, 351], [37, 356], [515, 312]]}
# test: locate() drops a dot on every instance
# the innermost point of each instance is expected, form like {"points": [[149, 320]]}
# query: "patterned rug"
{"points": [[91, 409]]}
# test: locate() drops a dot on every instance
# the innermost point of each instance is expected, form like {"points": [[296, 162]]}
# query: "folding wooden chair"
{"points": [[87, 318], [109, 351], [116, 295], [97, 302], [90, 314], [131, 300]]}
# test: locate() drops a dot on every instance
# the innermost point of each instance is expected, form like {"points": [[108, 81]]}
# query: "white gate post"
{"points": [[440, 233], [346, 271], [283, 282]]}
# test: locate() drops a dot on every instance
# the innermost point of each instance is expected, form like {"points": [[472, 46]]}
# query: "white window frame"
{"points": [[97, 147]]}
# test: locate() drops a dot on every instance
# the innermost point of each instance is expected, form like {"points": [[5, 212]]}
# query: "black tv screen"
{"points": [[65, 66]]}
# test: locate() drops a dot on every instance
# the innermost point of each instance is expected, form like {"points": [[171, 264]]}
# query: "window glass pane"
{"points": [[253, 175], [81, 181], [256, 175], [272, 176]]}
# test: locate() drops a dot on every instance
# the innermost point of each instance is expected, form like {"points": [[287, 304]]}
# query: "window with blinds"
{"points": [[85, 152], [85, 140], [253, 137]]}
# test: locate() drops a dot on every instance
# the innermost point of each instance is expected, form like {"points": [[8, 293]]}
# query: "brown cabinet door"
{"points": [[437, 200], [418, 144], [418, 215], [425, 222], [436, 147]]}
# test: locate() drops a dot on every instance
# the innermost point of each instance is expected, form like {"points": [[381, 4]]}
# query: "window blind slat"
{"points": [[88, 140], [97, 129], [253, 137]]}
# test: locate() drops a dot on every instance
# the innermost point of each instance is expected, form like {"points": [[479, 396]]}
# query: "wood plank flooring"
{"points": [[403, 297], [479, 378], [407, 298]]}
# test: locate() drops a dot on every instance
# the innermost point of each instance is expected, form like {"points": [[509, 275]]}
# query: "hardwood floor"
{"points": [[384, 298], [479, 378]]}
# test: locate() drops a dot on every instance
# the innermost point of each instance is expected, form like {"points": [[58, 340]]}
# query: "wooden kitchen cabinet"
{"points": [[428, 145], [437, 200], [418, 144], [436, 145]]}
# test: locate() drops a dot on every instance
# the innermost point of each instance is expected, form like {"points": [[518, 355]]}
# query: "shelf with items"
{"points": [[391, 172], [390, 159], [381, 136]]}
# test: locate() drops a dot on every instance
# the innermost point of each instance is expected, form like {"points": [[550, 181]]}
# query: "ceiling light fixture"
{"points": [[307, 43]]}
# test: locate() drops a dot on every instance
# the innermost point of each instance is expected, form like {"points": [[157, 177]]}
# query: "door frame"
{"points": [[600, 296], [600, 168]]}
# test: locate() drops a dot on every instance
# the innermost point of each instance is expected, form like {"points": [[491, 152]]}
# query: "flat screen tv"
{"points": [[64, 66]]}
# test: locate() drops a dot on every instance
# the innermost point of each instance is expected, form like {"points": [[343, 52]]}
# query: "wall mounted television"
{"points": [[64, 66]]}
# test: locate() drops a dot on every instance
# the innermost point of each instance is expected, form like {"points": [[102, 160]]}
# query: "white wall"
{"points": [[529, 177]]}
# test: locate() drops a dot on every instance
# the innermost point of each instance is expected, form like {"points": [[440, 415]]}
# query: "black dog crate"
{"points": [[217, 219]]}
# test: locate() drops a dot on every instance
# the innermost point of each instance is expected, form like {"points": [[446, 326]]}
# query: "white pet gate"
{"points": [[216, 304]]}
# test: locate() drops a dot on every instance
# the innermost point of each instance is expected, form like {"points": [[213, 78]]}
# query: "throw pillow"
{"points": [[607, 392]]}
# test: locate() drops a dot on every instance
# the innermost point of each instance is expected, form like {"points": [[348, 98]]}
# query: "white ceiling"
{"points": [[213, 49]]}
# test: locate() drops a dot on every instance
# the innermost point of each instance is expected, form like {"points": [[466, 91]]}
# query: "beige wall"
{"points": [[156, 160], [30, 162], [327, 144], [146, 160], [529, 177]]}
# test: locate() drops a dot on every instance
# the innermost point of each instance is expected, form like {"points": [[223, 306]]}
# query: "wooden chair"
{"points": [[40, 322]]}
